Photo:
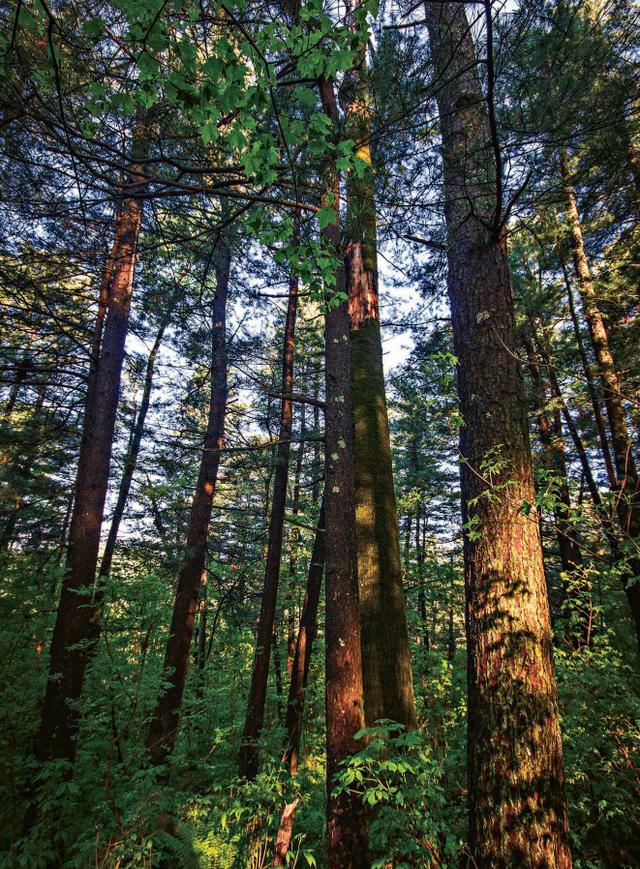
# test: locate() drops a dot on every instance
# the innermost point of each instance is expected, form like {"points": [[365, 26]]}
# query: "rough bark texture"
{"points": [[517, 806], [386, 661], [628, 488], [285, 831], [304, 644], [347, 839], [248, 766], [70, 643], [163, 730]]}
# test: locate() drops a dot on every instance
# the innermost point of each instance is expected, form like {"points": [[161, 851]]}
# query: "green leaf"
{"points": [[327, 216], [26, 19], [93, 27], [306, 97]]}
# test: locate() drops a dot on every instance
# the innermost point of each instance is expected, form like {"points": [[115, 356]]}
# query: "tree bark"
{"points": [[164, 725], [552, 442], [347, 836], [248, 766], [70, 643], [285, 832], [130, 462], [302, 656], [421, 522], [517, 808], [628, 489], [595, 402], [386, 661]]}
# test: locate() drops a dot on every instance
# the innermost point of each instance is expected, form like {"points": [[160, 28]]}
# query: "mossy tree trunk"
{"points": [[517, 807], [386, 662]]}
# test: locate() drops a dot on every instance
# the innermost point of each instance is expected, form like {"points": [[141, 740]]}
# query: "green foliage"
{"points": [[601, 737], [399, 778]]}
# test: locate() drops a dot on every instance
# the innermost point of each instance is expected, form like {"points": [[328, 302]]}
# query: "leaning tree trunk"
{"points": [[347, 836], [302, 656], [164, 724], [386, 661], [248, 766], [517, 808], [628, 490], [70, 643]]}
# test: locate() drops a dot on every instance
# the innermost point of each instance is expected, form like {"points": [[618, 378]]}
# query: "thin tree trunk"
{"points": [[302, 655], [422, 598], [248, 765], [22, 471], [164, 725], [315, 490], [347, 836], [595, 402], [295, 506], [551, 440], [130, 461], [517, 808], [56, 739], [386, 661], [202, 625], [277, 672], [451, 637], [628, 489]]}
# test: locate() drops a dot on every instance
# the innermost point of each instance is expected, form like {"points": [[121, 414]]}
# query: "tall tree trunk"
{"points": [[131, 460], [248, 766], [277, 671], [595, 401], [73, 628], [421, 522], [302, 656], [517, 808], [552, 442], [347, 836], [293, 558], [628, 489], [164, 725], [386, 661], [202, 626]]}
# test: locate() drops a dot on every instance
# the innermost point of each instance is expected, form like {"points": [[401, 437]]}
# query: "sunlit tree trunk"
{"points": [[386, 662], [347, 838], [248, 766], [164, 724], [628, 489], [70, 643], [517, 807]]}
